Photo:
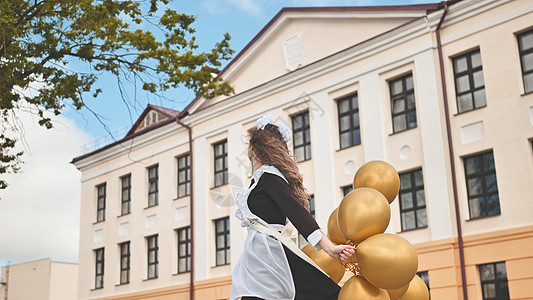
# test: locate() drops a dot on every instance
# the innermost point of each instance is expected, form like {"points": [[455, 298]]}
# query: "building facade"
{"points": [[443, 92], [42, 279]]}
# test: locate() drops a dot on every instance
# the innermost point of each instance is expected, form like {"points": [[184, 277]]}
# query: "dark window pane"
{"points": [[405, 180], [407, 200], [421, 218], [396, 87], [344, 106], [399, 123], [420, 198], [398, 106], [476, 59], [472, 165], [408, 220], [409, 83], [345, 140], [528, 82], [489, 290], [526, 40], [345, 123], [465, 102], [527, 62], [460, 64], [479, 98], [463, 84], [478, 79], [356, 139], [297, 122]]}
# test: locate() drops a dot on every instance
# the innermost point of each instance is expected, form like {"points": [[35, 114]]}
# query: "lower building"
{"points": [[42, 279]]}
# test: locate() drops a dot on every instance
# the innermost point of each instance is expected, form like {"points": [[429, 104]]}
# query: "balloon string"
{"points": [[354, 266]]}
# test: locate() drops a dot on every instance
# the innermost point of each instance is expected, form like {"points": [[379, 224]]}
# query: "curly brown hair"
{"points": [[270, 149]]}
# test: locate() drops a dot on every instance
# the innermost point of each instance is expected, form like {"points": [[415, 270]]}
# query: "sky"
{"points": [[39, 211]]}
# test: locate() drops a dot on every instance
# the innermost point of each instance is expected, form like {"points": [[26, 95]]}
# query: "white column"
{"points": [[201, 219], [323, 152], [237, 162], [371, 117], [434, 149]]}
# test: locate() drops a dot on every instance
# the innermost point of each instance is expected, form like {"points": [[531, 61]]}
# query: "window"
{"points": [[312, 206], [184, 176], [152, 256], [424, 276], [184, 250], [301, 134], [402, 95], [99, 268], [126, 195], [221, 163], [525, 47], [494, 284], [469, 83], [481, 185], [100, 210], [222, 241], [346, 189], [124, 262], [153, 189], [412, 200], [348, 111]]}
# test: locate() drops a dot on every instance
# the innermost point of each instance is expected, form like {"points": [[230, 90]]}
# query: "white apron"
{"points": [[263, 269]]}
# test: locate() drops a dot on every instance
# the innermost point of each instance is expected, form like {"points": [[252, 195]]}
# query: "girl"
{"points": [[267, 269]]}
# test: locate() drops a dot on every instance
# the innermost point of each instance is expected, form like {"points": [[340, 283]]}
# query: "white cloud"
{"points": [[39, 211]]}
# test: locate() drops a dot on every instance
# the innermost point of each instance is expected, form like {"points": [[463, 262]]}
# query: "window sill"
{"points": [[465, 112], [181, 197], [121, 284], [399, 132], [217, 266], [527, 93], [98, 222], [96, 289], [149, 279], [124, 215], [481, 218], [214, 187], [182, 273], [303, 161], [148, 207]]}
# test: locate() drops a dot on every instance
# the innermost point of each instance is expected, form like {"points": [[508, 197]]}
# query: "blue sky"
{"points": [[47, 190], [243, 19]]}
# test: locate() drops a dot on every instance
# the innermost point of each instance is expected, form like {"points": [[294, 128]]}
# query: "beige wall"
{"points": [[40, 280], [364, 69]]}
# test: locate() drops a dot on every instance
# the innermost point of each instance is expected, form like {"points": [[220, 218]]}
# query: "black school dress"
{"points": [[273, 201]]}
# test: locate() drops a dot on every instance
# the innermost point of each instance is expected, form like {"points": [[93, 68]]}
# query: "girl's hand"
{"points": [[340, 252]]}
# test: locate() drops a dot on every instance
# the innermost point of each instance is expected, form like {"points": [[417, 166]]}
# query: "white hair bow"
{"points": [[283, 129]]}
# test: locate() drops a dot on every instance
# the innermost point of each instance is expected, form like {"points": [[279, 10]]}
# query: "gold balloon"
{"points": [[334, 233], [362, 213], [331, 266], [380, 176], [357, 288], [387, 261], [397, 293], [417, 290]]}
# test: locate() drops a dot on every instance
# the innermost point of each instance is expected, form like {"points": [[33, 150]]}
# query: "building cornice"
{"points": [[133, 144]]}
